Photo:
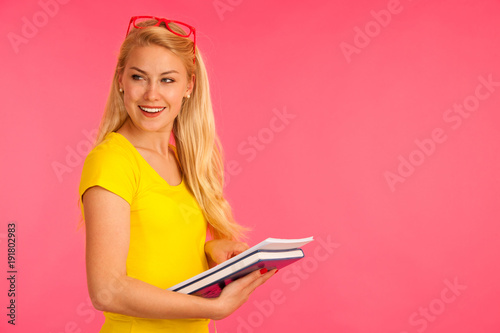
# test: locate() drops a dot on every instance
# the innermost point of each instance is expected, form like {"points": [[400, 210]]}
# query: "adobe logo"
{"points": [[30, 27]]}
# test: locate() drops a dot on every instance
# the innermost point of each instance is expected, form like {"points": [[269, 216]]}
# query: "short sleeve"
{"points": [[111, 168]]}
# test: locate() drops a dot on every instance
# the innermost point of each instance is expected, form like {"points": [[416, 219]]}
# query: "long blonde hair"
{"points": [[198, 146]]}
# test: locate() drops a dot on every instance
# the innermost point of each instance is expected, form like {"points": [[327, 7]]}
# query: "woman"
{"points": [[147, 204]]}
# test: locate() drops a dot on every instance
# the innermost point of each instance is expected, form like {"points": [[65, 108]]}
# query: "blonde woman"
{"points": [[147, 205]]}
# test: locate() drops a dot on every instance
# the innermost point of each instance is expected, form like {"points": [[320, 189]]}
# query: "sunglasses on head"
{"points": [[173, 26]]}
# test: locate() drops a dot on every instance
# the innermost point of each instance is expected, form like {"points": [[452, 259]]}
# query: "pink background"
{"points": [[371, 155]]}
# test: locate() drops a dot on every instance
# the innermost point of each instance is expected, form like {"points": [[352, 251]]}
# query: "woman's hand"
{"points": [[219, 250], [237, 292]]}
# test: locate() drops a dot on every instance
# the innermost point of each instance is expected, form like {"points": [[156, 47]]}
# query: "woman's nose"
{"points": [[152, 93]]}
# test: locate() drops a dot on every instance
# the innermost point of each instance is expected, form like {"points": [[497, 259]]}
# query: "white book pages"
{"points": [[268, 244]]}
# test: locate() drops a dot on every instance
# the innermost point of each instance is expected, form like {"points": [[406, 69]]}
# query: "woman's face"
{"points": [[154, 82]]}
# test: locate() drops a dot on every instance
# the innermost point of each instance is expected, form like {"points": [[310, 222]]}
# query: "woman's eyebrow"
{"points": [[143, 72]]}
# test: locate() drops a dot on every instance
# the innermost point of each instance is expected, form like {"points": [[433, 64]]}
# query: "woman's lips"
{"points": [[151, 111]]}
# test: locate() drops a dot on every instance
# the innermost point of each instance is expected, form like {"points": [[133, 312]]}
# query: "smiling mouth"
{"points": [[151, 109]]}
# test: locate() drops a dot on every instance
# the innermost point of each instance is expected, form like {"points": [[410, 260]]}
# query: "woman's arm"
{"points": [[107, 220]]}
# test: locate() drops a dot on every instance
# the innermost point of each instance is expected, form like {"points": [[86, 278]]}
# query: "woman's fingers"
{"points": [[220, 250], [250, 282], [240, 247], [261, 277], [237, 292]]}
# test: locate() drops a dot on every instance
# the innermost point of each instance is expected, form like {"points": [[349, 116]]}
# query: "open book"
{"points": [[271, 253]]}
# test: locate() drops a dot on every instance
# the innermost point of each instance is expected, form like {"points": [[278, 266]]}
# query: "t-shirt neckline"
{"points": [[136, 152]]}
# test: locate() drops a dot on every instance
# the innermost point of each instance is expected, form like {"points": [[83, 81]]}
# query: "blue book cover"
{"points": [[211, 285], [271, 253]]}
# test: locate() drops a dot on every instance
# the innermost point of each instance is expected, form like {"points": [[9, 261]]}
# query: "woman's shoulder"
{"points": [[113, 149], [113, 166]]}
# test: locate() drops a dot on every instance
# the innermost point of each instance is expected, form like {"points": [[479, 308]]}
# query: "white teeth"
{"points": [[151, 110]]}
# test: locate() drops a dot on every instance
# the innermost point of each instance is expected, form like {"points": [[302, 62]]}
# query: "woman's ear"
{"points": [[190, 85], [120, 76]]}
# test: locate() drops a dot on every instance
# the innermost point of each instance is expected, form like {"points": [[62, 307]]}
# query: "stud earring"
{"points": [[188, 96], [121, 90]]}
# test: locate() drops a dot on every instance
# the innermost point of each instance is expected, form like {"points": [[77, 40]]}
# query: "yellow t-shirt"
{"points": [[167, 228]]}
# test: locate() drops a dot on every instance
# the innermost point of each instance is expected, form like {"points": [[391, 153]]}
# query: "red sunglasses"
{"points": [[188, 30]]}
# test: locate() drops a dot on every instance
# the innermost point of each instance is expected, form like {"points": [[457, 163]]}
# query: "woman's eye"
{"points": [[136, 77], [167, 80]]}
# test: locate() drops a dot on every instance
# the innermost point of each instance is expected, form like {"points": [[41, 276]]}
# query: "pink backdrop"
{"points": [[371, 125]]}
